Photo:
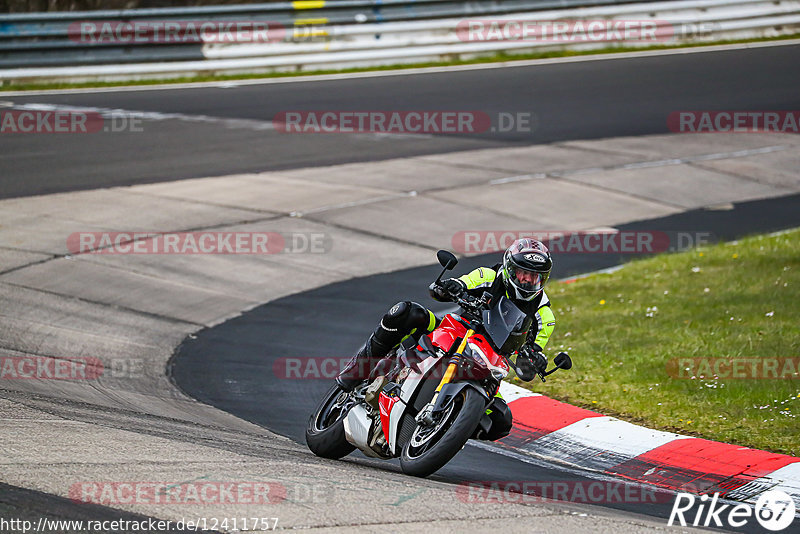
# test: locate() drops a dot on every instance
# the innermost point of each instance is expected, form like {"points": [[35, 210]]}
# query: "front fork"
{"points": [[425, 415]]}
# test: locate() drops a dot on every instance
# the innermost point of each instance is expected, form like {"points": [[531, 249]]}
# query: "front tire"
{"points": [[325, 430], [429, 449]]}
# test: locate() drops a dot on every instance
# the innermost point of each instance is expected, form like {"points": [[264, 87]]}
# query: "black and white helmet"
{"points": [[526, 268]]}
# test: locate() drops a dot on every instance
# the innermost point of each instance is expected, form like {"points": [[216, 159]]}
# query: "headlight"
{"points": [[473, 355], [477, 355]]}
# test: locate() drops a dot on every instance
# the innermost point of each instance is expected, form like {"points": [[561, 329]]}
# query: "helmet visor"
{"points": [[526, 280]]}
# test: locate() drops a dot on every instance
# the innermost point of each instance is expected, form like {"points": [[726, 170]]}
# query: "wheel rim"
{"points": [[425, 437], [337, 404]]}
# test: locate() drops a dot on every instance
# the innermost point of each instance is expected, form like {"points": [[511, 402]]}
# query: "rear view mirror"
{"points": [[563, 361], [446, 259]]}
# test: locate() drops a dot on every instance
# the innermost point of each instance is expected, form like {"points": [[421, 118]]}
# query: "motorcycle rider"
{"points": [[521, 277]]}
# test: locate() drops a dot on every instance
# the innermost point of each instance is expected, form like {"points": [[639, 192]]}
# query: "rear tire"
{"points": [[427, 452], [325, 430]]}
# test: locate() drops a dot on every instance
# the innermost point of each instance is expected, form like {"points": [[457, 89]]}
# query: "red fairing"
{"points": [[449, 329], [385, 402]]}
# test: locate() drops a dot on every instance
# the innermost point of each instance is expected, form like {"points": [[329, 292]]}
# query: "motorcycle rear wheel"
{"points": [[429, 449], [325, 430]]}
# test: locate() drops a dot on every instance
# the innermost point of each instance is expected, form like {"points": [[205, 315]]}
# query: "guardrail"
{"points": [[312, 35], [42, 39]]}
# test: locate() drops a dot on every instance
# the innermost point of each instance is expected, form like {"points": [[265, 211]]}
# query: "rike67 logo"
{"points": [[774, 510]]}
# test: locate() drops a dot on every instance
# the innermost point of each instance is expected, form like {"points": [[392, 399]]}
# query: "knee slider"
{"points": [[395, 317]]}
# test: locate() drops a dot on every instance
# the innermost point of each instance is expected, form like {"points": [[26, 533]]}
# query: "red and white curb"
{"points": [[563, 433]]}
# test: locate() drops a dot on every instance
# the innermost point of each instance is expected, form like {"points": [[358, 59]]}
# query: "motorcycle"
{"points": [[433, 395]]}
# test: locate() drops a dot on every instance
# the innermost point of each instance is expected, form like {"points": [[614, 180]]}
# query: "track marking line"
{"points": [[230, 123]]}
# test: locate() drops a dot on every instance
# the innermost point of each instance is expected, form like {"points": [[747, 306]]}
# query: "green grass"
{"points": [[496, 58], [732, 300]]}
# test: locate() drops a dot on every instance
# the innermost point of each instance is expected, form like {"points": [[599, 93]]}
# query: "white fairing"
{"points": [[356, 429], [411, 384]]}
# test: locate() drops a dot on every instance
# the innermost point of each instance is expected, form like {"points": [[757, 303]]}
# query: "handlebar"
{"points": [[467, 301]]}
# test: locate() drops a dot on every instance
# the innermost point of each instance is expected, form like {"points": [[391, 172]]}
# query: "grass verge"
{"points": [[626, 331], [496, 58]]}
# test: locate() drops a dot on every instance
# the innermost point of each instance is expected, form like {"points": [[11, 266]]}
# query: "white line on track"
{"points": [[520, 178], [146, 115], [227, 122], [705, 157]]}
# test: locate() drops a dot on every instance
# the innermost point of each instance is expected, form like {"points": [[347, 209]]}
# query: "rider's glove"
{"points": [[454, 287], [530, 362], [447, 290], [437, 292]]}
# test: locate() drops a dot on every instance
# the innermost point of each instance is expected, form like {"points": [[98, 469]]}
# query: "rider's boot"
{"points": [[359, 367]]}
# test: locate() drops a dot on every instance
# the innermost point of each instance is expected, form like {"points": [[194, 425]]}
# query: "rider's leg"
{"points": [[401, 320]]}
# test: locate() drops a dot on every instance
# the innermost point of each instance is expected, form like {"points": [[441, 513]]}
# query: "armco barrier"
{"points": [[41, 39], [353, 33]]}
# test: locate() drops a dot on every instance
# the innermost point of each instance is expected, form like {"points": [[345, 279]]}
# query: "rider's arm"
{"points": [[480, 278], [546, 323], [474, 283]]}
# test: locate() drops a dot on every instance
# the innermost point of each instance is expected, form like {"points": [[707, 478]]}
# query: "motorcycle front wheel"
{"points": [[325, 430], [431, 447]]}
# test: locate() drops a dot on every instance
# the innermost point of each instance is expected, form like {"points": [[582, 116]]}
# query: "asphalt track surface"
{"points": [[568, 101], [230, 366]]}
